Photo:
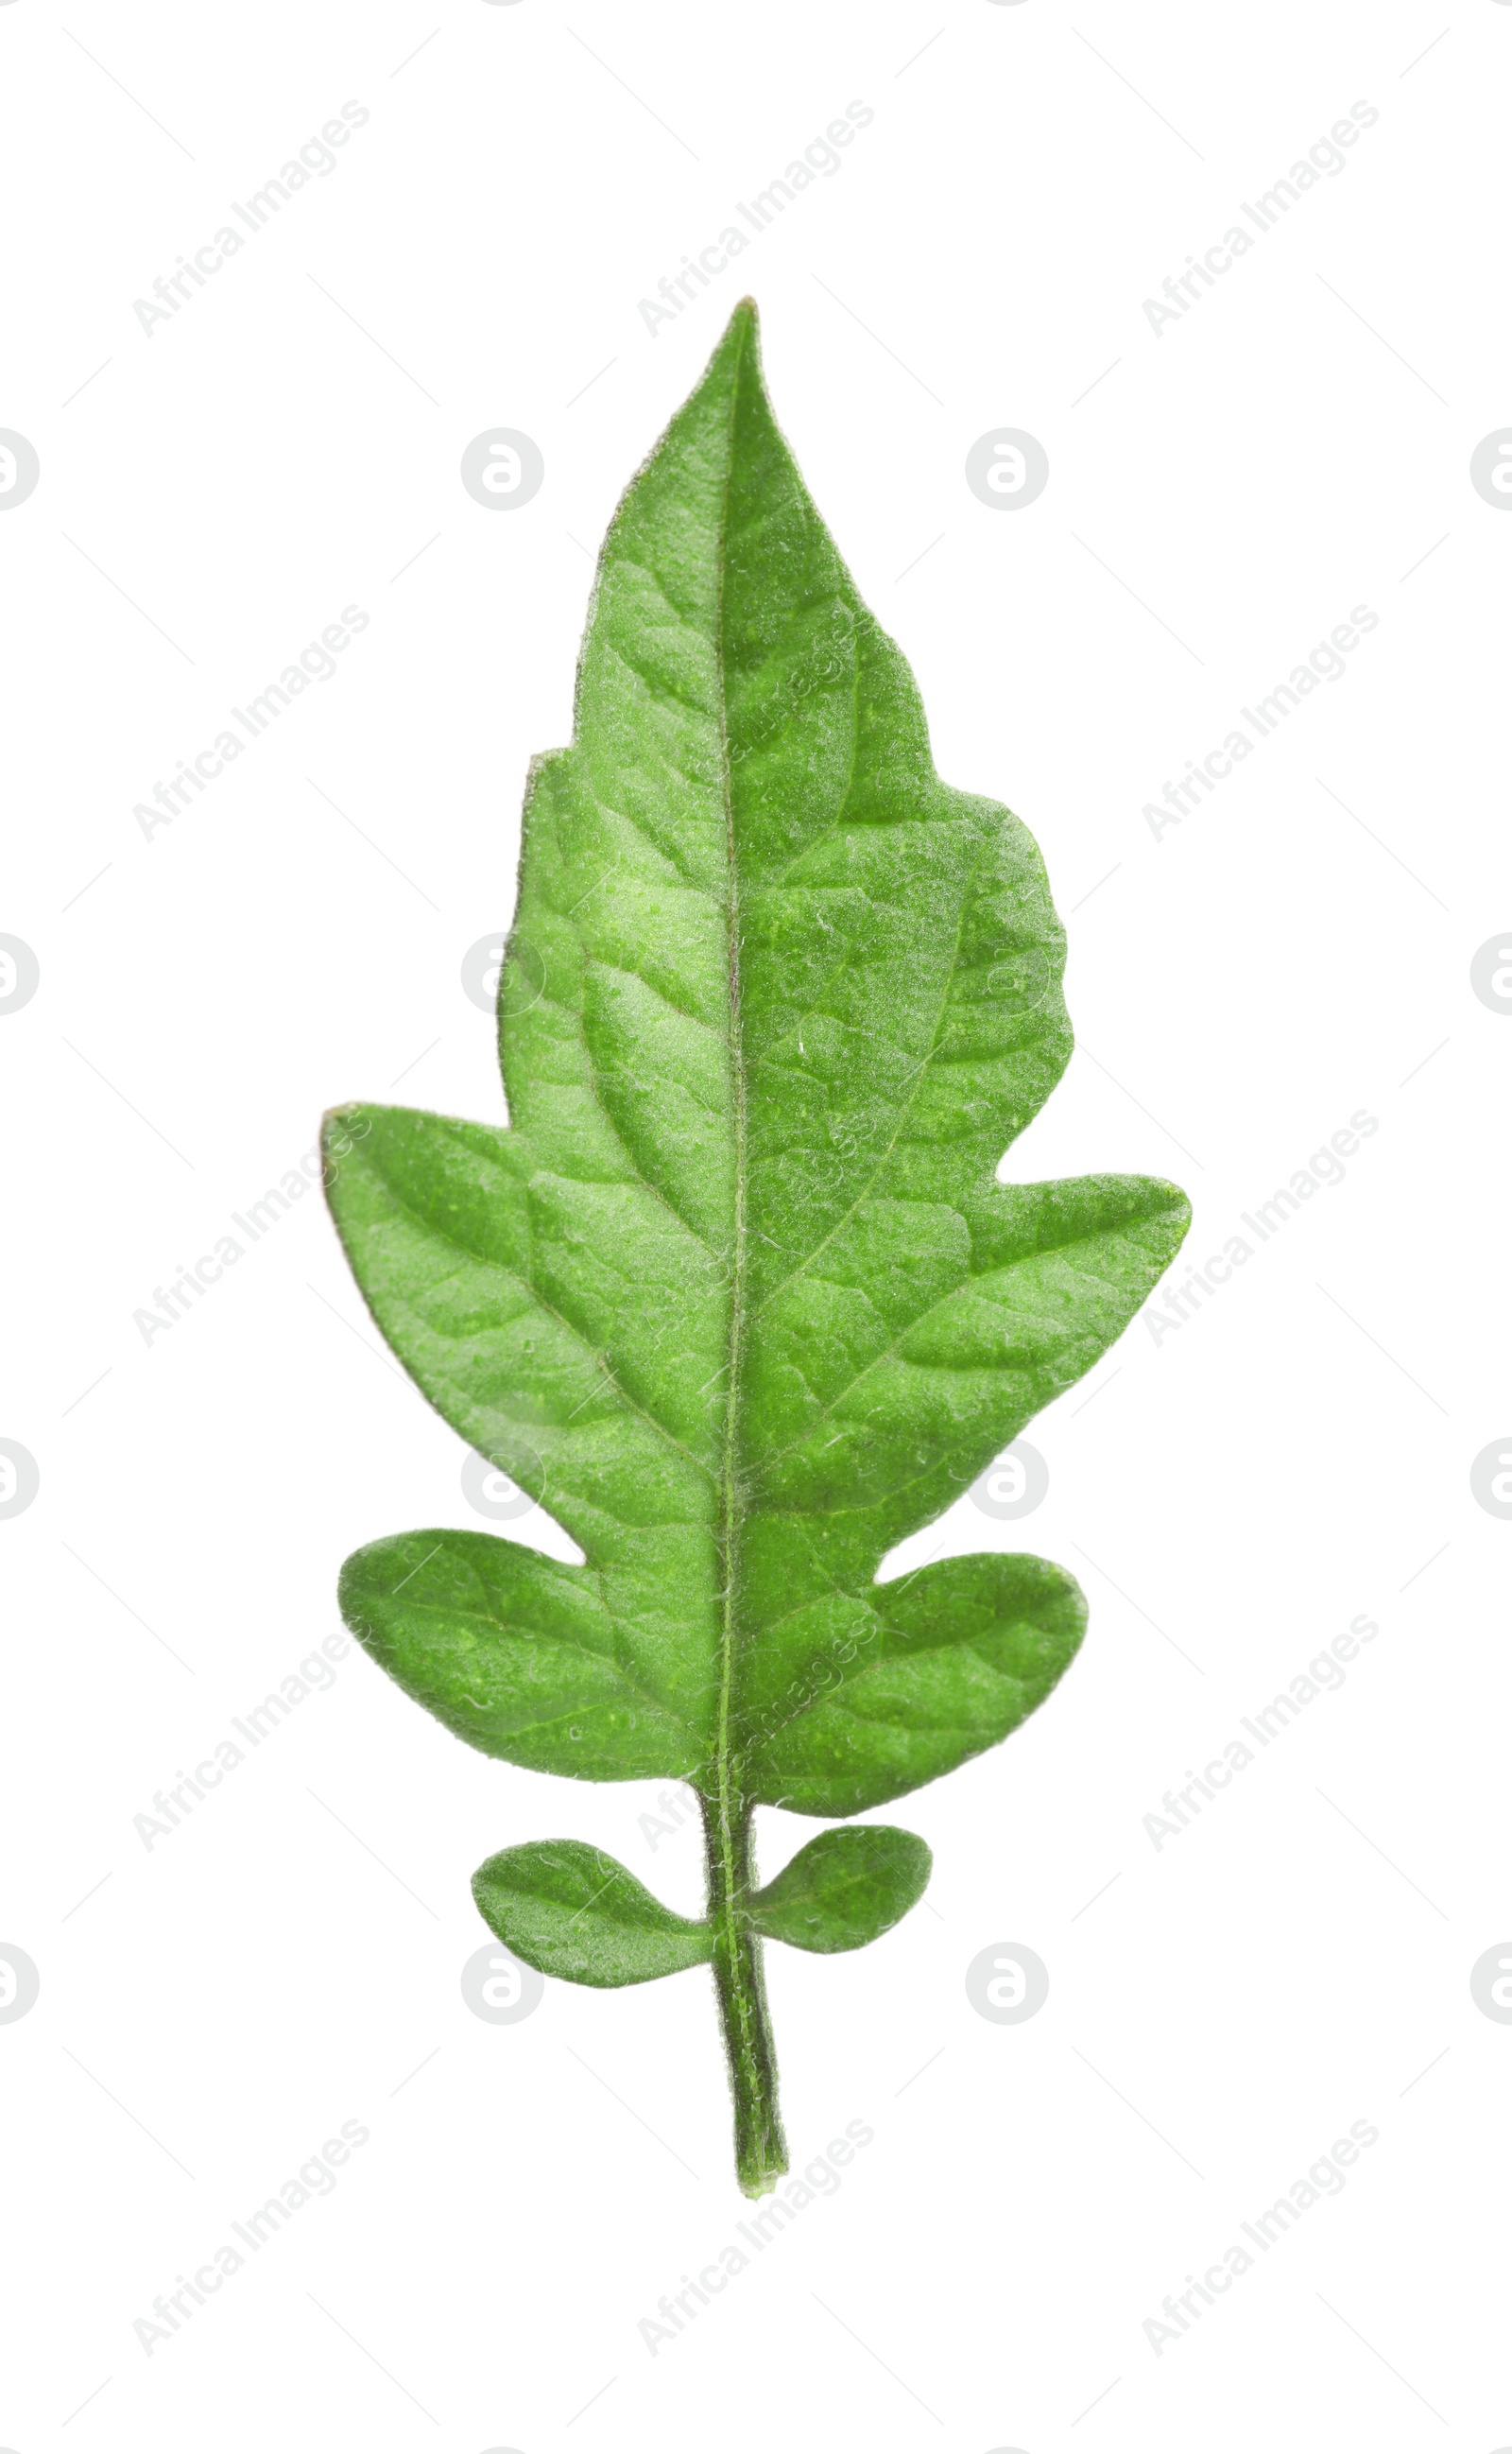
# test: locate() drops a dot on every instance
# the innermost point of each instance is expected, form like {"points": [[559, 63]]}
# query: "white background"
{"points": [[1221, 496]]}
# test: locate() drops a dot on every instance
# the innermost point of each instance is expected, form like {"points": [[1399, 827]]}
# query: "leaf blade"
{"points": [[843, 1889], [573, 1912], [739, 1280], [926, 1674], [516, 1654]]}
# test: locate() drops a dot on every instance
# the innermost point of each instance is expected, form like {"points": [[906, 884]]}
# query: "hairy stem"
{"points": [[761, 2151]]}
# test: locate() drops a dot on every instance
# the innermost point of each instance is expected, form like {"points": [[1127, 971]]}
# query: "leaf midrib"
{"points": [[905, 1113], [728, 1809]]}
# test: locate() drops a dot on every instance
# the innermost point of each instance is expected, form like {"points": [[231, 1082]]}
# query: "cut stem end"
{"points": [[761, 2150]]}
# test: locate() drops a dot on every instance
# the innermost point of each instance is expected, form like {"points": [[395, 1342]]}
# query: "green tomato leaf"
{"points": [[924, 1673], [843, 1889], [570, 1911], [738, 1294], [514, 1652]]}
